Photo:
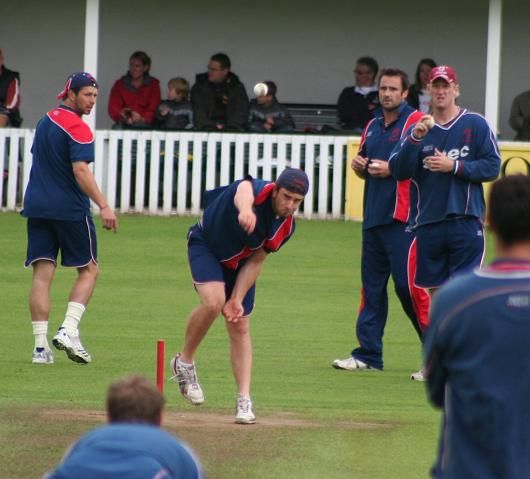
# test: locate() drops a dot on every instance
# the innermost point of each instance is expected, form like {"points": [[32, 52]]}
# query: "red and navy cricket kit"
{"points": [[58, 211], [218, 246], [456, 197], [477, 352], [388, 246], [61, 138]]}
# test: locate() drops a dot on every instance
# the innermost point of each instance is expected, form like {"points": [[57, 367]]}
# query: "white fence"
{"points": [[163, 173]]}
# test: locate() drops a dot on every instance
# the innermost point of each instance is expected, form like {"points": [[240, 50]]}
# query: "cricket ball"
{"points": [[260, 89]]}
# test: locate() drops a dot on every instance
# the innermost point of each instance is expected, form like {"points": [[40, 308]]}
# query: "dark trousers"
{"points": [[387, 250]]}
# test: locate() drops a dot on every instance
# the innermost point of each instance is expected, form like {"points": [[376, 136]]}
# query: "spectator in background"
{"points": [[135, 97], [132, 445], [520, 116], [9, 96], [477, 351], [218, 97], [266, 113], [175, 113], [419, 96], [357, 103]]}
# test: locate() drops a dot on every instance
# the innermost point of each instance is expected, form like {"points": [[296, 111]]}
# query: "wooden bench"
{"points": [[314, 118]]}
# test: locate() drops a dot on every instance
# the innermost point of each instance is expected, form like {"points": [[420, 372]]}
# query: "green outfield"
{"points": [[313, 421]]}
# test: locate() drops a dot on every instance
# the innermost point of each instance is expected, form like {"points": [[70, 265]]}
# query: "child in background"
{"points": [[175, 113], [266, 114]]}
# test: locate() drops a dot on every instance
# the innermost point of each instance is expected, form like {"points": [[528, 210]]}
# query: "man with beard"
{"points": [[388, 246], [241, 224]]}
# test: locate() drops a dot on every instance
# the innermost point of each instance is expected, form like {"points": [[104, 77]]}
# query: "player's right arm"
{"points": [[87, 183], [359, 165], [244, 201], [403, 161]]}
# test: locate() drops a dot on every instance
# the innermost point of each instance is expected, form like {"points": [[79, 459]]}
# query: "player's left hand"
{"points": [[378, 168], [233, 310], [439, 162]]}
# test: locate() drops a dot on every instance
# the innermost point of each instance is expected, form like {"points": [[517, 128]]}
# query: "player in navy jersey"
{"points": [[57, 208], [447, 160], [477, 351], [388, 246], [241, 224]]}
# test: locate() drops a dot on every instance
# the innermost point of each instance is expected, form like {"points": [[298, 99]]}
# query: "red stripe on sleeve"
{"points": [[71, 124]]}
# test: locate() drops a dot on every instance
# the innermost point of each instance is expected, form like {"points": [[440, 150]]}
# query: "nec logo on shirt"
{"points": [[456, 153], [453, 153]]}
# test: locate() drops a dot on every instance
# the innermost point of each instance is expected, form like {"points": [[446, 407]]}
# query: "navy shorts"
{"points": [[446, 248], [76, 240], [206, 268]]}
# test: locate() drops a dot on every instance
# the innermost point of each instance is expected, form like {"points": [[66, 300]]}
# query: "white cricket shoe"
{"points": [[421, 375], [186, 378], [352, 364], [72, 346], [42, 356], [244, 412]]}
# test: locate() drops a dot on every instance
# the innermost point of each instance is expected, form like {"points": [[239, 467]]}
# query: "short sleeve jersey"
{"points": [[224, 235], [61, 138]]}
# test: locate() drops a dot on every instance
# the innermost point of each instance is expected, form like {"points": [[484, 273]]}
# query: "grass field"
{"points": [[313, 421]]}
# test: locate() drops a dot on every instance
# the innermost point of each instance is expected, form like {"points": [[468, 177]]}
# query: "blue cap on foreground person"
{"points": [[132, 445], [77, 81]]}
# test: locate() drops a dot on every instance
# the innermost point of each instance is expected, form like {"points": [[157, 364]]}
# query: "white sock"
{"points": [[40, 331], [186, 365], [74, 313]]}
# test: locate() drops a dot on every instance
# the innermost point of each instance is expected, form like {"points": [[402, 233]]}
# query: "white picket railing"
{"points": [[163, 173]]}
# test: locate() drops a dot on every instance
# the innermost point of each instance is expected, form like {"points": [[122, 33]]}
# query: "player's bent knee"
{"points": [[213, 307]]}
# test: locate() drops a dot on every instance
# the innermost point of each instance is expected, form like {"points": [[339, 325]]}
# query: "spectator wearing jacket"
{"points": [[520, 116], [419, 96], [135, 97], [9, 96], [218, 98], [175, 113], [267, 114], [357, 103]]}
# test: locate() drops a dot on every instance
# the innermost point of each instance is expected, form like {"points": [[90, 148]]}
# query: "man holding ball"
{"points": [[447, 161], [388, 246]]}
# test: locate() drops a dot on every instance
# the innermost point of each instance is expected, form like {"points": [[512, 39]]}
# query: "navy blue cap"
{"points": [[294, 180], [77, 80]]}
